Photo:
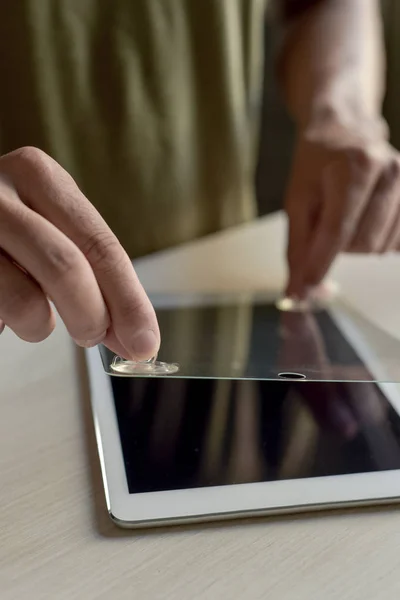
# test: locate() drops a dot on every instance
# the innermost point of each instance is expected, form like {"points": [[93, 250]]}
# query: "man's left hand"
{"points": [[343, 195]]}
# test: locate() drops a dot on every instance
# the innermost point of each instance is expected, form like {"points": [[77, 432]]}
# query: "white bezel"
{"points": [[231, 501]]}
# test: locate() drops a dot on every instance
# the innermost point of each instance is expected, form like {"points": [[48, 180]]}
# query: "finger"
{"points": [[301, 215], [57, 265], [365, 402], [305, 336], [113, 343], [57, 198], [329, 408], [346, 189], [393, 239], [377, 221], [23, 305]]}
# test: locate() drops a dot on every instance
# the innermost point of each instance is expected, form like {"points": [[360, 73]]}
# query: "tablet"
{"points": [[234, 433]]}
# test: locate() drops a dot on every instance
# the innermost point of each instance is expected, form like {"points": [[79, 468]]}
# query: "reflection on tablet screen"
{"points": [[257, 341], [180, 433]]}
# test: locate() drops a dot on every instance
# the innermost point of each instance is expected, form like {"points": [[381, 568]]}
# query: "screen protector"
{"points": [[251, 337]]}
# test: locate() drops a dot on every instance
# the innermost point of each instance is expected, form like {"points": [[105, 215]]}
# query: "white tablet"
{"points": [[234, 433]]}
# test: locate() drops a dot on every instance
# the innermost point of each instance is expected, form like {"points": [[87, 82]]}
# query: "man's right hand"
{"points": [[55, 245]]}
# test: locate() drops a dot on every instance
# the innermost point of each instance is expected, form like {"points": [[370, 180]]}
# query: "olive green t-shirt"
{"points": [[152, 105]]}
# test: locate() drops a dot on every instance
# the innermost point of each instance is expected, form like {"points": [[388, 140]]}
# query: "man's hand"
{"points": [[343, 195], [344, 191], [54, 245]]}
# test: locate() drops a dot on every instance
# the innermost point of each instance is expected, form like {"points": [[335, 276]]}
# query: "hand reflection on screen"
{"points": [[334, 403], [301, 347], [199, 432]]}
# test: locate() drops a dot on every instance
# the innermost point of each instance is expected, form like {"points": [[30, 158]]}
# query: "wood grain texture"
{"points": [[56, 541]]}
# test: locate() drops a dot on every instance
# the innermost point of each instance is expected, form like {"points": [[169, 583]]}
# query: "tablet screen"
{"points": [[185, 433]]}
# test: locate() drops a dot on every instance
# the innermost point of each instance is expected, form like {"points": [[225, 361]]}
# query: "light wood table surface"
{"points": [[56, 541]]}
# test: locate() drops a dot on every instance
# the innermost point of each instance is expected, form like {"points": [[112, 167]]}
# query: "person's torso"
{"points": [[152, 105]]}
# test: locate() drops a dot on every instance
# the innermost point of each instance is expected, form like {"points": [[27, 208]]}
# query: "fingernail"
{"points": [[145, 344], [91, 343]]}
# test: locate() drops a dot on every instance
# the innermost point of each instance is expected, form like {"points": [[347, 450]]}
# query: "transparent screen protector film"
{"points": [[250, 337]]}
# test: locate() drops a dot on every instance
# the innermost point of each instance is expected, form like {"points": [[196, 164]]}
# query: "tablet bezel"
{"points": [[232, 501]]}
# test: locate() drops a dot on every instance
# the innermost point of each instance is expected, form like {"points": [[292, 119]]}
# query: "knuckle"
{"points": [[30, 156], [63, 261], [90, 335], [29, 162], [104, 251], [90, 330], [393, 169], [361, 157], [32, 163], [139, 309]]}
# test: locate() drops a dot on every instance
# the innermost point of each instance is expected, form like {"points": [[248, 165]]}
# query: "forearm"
{"points": [[332, 61]]}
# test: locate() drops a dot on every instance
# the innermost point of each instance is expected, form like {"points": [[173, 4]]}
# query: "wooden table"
{"points": [[56, 539]]}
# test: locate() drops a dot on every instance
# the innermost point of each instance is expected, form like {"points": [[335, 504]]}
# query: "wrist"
{"points": [[327, 118]]}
